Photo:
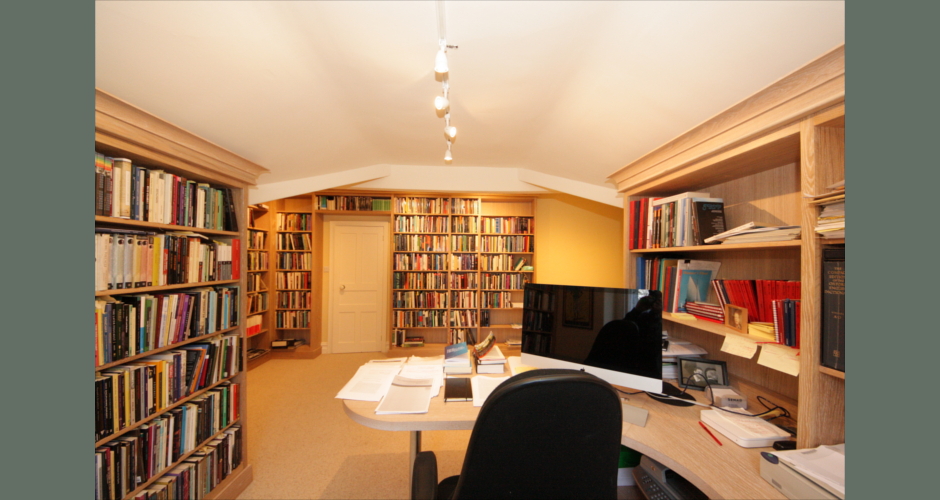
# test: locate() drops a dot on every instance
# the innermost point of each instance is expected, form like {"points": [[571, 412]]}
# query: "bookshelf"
{"points": [[259, 281], [124, 361], [452, 265], [761, 156], [293, 250]]}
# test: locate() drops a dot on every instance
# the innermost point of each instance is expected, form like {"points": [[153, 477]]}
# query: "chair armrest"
{"points": [[424, 476]]}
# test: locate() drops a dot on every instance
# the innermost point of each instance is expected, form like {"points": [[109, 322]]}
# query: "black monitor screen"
{"points": [[616, 330]]}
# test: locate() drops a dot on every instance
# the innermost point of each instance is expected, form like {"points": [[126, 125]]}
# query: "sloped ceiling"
{"points": [[554, 90]]}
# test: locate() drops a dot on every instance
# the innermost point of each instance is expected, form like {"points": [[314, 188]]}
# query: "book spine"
{"points": [[833, 309]]}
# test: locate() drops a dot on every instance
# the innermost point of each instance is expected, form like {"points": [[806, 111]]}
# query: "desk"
{"points": [[672, 436]]}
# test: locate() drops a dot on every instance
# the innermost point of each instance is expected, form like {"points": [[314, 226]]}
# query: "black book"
{"points": [[457, 389], [708, 219], [833, 309], [231, 223]]}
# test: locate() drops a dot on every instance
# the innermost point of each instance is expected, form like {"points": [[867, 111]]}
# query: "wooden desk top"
{"points": [[672, 436]]}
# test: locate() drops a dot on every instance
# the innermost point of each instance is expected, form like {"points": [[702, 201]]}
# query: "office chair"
{"points": [[540, 434]]}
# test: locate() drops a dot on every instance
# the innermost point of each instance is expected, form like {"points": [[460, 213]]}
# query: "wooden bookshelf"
{"points": [[763, 156], [260, 276], [124, 131]]}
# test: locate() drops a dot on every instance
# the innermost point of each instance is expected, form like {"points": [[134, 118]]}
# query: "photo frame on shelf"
{"points": [[736, 318], [577, 308], [698, 373]]}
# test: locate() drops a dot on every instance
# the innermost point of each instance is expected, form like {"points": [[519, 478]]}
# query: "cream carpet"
{"points": [[302, 445]]}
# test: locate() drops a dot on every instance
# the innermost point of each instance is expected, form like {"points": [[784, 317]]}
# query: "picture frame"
{"points": [[736, 318], [577, 307], [698, 373]]}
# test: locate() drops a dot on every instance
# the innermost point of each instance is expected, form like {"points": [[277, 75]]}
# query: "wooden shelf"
{"points": [[147, 289], [261, 332], [723, 247], [831, 372], [715, 328], [354, 212], [154, 225], [162, 349]]}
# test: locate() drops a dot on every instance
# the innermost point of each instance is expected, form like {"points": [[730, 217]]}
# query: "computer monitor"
{"points": [[613, 333]]}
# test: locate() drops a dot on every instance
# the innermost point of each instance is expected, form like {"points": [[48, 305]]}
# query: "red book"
{"points": [[631, 243], [236, 258], [706, 318]]}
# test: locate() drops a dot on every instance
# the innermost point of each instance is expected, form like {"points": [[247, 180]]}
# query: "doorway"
{"points": [[358, 285]]}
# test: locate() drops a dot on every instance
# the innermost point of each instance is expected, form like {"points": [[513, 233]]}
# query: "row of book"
{"points": [[419, 262], [420, 319], [255, 282], [294, 300], [464, 262], [416, 205], [354, 203], [199, 474], [497, 300], [463, 243], [294, 260], [685, 219], [258, 261], [123, 464], [507, 244], [502, 263], [129, 393], [464, 318], [412, 300], [290, 241], [507, 225], [503, 281], [288, 221], [292, 319], [127, 259], [464, 299], [256, 302], [257, 240], [134, 324], [427, 224], [253, 325], [293, 280], [419, 281], [464, 224], [130, 191], [757, 296], [420, 243]]}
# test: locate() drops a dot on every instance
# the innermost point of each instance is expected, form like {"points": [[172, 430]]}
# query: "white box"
{"points": [[747, 432]]}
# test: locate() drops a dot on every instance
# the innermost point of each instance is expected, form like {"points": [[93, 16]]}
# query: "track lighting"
{"points": [[447, 155], [440, 62], [441, 103], [450, 132]]}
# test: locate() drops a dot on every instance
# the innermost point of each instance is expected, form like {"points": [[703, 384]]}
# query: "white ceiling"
{"points": [[574, 90]]}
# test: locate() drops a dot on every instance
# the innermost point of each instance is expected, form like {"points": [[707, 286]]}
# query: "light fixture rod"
{"points": [[441, 23]]}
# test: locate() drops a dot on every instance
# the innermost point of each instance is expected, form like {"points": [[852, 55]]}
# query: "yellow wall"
{"points": [[578, 242]]}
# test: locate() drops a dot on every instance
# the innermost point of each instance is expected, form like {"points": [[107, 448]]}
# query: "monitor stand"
{"points": [[671, 390]]}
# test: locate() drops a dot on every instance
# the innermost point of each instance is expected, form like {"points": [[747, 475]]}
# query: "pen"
{"points": [[710, 433]]}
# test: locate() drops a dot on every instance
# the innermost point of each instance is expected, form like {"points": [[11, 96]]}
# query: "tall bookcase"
{"points": [[453, 265], [762, 156], [293, 249], [259, 284], [124, 131]]}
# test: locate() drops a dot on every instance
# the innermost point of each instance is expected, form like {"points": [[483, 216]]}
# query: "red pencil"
{"points": [[710, 433]]}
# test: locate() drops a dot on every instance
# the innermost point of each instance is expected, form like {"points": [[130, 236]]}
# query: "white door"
{"points": [[359, 286]]}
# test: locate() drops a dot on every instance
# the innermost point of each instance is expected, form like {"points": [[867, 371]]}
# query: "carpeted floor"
{"points": [[302, 445]]}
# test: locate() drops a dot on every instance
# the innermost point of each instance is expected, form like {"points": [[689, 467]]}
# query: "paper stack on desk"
{"points": [[371, 381], [406, 395], [483, 386]]}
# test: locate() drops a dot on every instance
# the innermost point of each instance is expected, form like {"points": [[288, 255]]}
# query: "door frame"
{"points": [[354, 220]]}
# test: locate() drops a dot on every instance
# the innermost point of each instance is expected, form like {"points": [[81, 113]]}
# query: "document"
{"points": [[739, 346], [516, 367], [429, 360], [406, 395], [370, 382], [825, 465], [483, 386], [780, 358], [435, 372]]}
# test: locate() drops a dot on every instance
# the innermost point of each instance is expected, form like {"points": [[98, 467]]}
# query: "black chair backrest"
{"points": [[545, 434]]}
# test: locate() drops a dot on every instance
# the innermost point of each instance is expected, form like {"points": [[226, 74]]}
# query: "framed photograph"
{"points": [[698, 373], [577, 307], [736, 318]]}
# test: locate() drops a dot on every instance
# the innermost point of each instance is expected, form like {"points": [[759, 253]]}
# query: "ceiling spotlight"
{"points": [[440, 62], [447, 155], [450, 132], [441, 103]]}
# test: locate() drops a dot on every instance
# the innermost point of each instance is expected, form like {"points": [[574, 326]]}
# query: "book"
{"points": [[457, 359], [492, 362], [708, 219], [457, 389], [413, 342], [737, 230], [833, 309], [480, 350]]}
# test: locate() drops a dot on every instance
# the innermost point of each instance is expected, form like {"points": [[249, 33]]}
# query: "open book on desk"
{"points": [[406, 395]]}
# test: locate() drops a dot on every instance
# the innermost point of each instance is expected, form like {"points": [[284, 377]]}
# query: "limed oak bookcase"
{"points": [[762, 156], [125, 131]]}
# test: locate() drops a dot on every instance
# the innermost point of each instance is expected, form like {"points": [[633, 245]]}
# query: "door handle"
{"points": [[342, 287]]}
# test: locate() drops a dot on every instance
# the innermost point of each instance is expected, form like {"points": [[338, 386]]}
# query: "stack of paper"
{"points": [[824, 465], [457, 359], [671, 364], [492, 362], [752, 233], [406, 395], [371, 381]]}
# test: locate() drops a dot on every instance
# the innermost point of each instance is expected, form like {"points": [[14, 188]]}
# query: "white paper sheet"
{"points": [[433, 372], [483, 386], [825, 464], [430, 360], [406, 395], [739, 346], [371, 382]]}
